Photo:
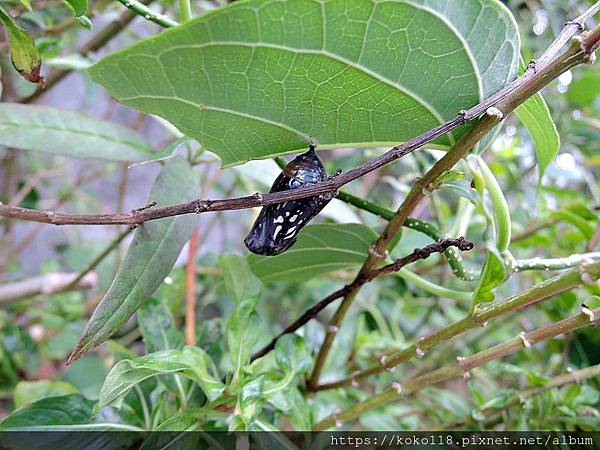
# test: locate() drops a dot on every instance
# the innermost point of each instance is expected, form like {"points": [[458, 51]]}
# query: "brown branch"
{"points": [[534, 79], [190, 303], [462, 367], [420, 253], [331, 185]]}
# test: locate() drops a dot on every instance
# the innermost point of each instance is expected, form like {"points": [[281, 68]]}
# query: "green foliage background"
{"points": [[255, 80]]}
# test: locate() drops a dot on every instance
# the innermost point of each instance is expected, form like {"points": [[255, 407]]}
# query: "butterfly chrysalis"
{"points": [[277, 226]]}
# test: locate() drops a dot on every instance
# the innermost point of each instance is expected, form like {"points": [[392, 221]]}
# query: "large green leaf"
{"points": [[150, 257], [261, 77], [191, 362], [69, 133], [320, 249]]}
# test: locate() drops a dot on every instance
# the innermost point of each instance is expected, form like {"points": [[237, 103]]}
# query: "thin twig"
{"points": [[529, 297], [462, 367], [47, 284], [420, 253], [190, 305], [576, 376], [98, 259], [534, 79]]}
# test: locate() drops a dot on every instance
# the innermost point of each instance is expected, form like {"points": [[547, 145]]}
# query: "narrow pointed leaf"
{"points": [[535, 115], [69, 133], [358, 73], [150, 257]]}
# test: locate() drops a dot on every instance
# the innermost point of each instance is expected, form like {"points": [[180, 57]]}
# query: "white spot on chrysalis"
{"points": [[278, 220], [293, 218], [277, 230]]}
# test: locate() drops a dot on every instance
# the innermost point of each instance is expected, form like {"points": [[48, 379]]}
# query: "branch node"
{"points": [[143, 208], [495, 112], [336, 419], [586, 277], [51, 216], [257, 196], [397, 387], [382, 360], [532, 65], [373, 251], [460, 360], [580, 26], [202, 205], [333, 329], [523, 337], [463, 116], [419, 352], [588, 312], [354, 382]]}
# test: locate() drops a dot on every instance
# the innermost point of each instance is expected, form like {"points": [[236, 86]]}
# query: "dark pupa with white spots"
{"points": [[277, 226]]}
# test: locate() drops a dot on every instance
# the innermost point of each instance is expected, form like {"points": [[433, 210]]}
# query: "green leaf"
{"points": [[72, 409], [262, 77], [576, 220], [191, 362], [26, 4], [30, 391], [243, 332], [291, 354], [320, 249], [157, 327], [493, 273], [584, 90], [239, 280], [23, 52], [67, 412], [149, 259], [79, 7], [68, 133], [535, 116]]}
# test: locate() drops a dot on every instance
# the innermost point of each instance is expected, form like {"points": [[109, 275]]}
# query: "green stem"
{"points": [[433, 288], [145, 410], [517, 398], [97, 260], [501, 211], [535, 294], [522, 265], [185, 10], [458, 369], [143, 11]]}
